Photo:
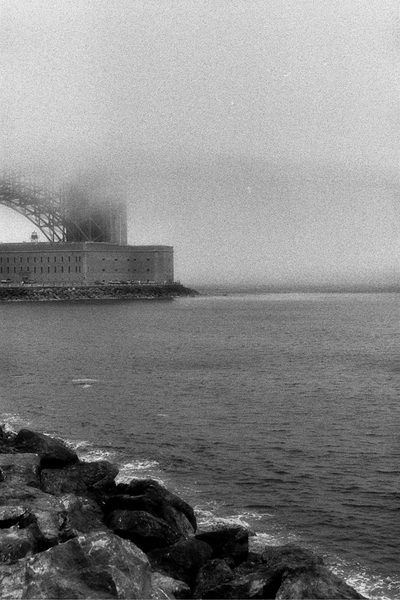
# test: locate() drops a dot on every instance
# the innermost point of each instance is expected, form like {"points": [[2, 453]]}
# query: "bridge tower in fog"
{"points": [[73, 214]]}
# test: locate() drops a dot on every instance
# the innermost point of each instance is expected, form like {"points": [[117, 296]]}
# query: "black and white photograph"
{"points": [[200, 299]]}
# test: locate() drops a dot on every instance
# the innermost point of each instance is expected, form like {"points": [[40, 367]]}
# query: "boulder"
{"points": [[20, 469], [170, 503], [25, 506], [169, 587], [315, 582], [53, 453], [182, 560], [288, 572], [212, 579], [142, 528], [83, 515], [96, 565], [16, 543], [282, 559], [230, 543], [79, 478], [11, 515], [6, 441], [153, 504]]}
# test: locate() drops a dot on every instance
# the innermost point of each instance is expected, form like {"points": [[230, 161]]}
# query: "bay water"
{"points": [[277, 411]]}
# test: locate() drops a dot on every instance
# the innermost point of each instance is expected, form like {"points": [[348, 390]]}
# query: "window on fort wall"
{"points": [[69, 269], [48, 269], [1, 269]]}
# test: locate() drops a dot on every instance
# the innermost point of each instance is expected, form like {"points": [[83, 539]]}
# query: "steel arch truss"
{"points": [[43, 209]]}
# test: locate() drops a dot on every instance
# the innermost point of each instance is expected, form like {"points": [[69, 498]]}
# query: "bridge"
{"points": [[61, 217]]}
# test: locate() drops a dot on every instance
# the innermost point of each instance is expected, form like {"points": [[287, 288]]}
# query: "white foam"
{"points": [[371, 586], [94, 454], [130, 470], [84, 381], [12, 420]]}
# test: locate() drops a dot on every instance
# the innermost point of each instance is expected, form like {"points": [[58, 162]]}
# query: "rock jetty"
{"points": [[37, 293], [68, 530]]}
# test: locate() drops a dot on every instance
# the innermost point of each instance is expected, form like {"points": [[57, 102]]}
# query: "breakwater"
{"points": [[36, 293], [68, 530]]}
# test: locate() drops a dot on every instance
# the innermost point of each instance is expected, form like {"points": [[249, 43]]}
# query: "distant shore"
{"points": [[38, 293]]}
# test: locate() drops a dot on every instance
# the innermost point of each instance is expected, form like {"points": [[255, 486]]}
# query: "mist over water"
{"points": [[275, 410], [259, 139]]}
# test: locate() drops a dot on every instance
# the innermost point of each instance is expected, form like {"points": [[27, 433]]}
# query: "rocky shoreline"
{"points": [[36, 293], [68, 530]]}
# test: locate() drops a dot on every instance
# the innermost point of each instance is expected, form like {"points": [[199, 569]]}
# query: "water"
{"points": [[279, 411]]}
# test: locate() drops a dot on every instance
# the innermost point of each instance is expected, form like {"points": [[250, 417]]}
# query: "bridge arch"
{"points": [[64, 217], [44, 209]]}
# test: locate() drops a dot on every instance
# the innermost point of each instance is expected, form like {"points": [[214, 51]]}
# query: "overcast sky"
{"points": [[258, 137]]}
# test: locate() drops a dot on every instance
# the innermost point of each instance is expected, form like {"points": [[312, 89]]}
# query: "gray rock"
{"points": [[152, 489], [96, 565], [143, 529], [154, 504], [230, 543], [212, 580], [79, 478], [54, 454], [30, 506], [316, 582], [83, 515], [16, 543], [169, 587], [182, 560], [20, 469]]}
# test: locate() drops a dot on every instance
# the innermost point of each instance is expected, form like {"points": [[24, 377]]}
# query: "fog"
{"points": [[260, 139]]}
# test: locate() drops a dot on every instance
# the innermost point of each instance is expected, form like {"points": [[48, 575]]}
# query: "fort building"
{"points": [[84, 263]]}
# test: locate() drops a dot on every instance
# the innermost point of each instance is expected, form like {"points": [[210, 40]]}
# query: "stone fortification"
{"points": [[92, 292], [67, 530]]}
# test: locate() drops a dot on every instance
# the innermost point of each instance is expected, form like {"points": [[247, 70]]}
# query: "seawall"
{"points": [[35, 293]]}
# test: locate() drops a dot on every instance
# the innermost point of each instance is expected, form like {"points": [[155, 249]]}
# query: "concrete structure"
{"points": [[84, 263]]}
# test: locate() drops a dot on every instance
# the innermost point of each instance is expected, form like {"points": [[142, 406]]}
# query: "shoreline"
{"points": [[53, 506], [36, 293]]}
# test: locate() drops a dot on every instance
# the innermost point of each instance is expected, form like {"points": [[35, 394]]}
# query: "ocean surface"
{"points": [[278, 411]]}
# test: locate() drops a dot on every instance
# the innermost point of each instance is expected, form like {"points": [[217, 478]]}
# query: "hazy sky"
{"points": [[258, 137]]}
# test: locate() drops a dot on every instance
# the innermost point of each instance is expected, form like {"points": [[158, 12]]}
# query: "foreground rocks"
{"points": [[67, 530]]}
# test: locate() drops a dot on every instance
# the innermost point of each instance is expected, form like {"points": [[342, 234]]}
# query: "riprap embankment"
{"points": [[68, 530]]}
